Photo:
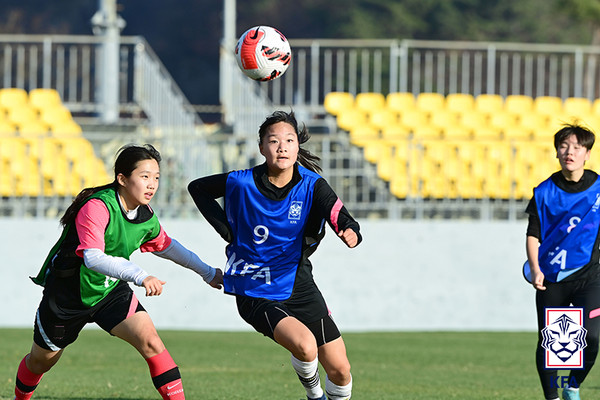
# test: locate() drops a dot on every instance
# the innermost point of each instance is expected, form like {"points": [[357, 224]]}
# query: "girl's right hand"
{"points": [[217, 281], [537, 280]]}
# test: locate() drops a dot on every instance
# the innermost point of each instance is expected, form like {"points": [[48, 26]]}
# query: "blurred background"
{"points": [[433, 120]]}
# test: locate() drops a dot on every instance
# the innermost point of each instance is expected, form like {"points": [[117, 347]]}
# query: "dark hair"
{"points": [[305, 157], [585, 136], [127, 160]]}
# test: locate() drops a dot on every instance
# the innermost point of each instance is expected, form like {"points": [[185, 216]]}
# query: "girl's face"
{"points": [[139, 188], [571, 155], [280, 147]]}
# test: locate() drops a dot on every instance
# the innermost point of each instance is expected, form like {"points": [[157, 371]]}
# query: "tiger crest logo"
{"points": [[295, 210], [563, 337]]}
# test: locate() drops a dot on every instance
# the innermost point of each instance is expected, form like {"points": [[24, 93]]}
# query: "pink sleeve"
{"points": [[159, 243], [335, 213], [91, 222]]}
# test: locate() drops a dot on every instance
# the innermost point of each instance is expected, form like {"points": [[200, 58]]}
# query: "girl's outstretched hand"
{"points": [[349, 237], [153, 286], [217, 281]]}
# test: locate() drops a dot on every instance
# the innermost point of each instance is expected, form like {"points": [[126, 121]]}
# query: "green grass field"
{"points": [[245, 365]]}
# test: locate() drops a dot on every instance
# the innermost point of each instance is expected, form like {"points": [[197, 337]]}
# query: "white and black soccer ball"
{"points": [[263, 53]]}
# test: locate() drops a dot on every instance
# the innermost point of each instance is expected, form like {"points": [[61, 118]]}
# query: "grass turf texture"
{"points": [[245, 365]]}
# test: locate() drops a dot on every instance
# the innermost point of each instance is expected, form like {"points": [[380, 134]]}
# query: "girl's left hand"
{"points": [[153, 286], [349, 237]]}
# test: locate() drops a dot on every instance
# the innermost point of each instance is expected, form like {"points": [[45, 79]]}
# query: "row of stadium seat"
{"points": [[456, 116], [37, 113], [42, 149], [31, 167], [451, 169], [459, 145]]}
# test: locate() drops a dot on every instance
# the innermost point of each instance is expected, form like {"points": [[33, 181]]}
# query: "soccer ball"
{"points": [[263, 53]]}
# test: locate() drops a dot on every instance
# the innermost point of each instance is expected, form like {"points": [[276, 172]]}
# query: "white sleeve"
{"points": [[177, 253], [116, 267]]}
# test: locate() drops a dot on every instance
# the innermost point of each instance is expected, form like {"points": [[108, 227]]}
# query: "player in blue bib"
{"points": [[273, 219], [562, 249]]}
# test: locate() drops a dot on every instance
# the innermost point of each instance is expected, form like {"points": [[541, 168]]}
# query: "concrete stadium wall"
{"points": [[405, 275]]}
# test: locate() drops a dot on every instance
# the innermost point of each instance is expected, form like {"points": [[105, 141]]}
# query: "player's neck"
{"points": [[573, 176], [280, 178]]}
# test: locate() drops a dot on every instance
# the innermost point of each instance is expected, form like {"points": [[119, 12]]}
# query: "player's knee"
{"points": [[340, 373], [306, 350], [151, 344]]}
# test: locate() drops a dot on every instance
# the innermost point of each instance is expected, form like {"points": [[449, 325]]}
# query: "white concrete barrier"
{"points": [[406, 275]]}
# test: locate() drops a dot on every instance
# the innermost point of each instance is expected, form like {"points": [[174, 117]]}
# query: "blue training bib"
{"points": [[569, 225], [268, 235]]}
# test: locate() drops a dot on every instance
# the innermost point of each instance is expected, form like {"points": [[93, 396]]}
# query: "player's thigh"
{"points": [[296, 337], [588, 297], [139, 331], [333, 358]]}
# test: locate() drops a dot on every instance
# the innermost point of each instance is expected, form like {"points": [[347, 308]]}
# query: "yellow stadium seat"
{"points": [[444, 118], [381, 119], [427, 132], [21, 115], [375, 150], [577, 107], [497, 179], [474, 120], [13, 97], [517, 132], [476, 125], [533, 162], [33, 129], [42, 98], [6, 180], [395, 161], [400, 102], [430, 102], [448, 123], [489, 103], [548, 105], [7, 129], [369, 102], [470, 155], [414, 119], [404, 181], [533, 121], [348, 119], [336, 102], [460, 102], [362, 133], [400, 186], [55, 114], [28, 177], [503, 120], [395, 132], [518, 104], [75, 148], [66, 129], [596, 107]]}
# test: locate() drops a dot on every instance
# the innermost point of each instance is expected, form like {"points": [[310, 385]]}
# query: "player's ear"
{"points": [[121, 180]]}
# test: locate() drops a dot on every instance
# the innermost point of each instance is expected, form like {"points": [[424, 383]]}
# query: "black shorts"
{"points": [[56, 326], [264, 315]]}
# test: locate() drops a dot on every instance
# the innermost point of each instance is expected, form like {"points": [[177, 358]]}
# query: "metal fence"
{"points": [[152, 108], [320, 66]]}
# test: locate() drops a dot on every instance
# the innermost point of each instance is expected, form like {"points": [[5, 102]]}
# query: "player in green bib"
{"points": [[85, 274]]}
